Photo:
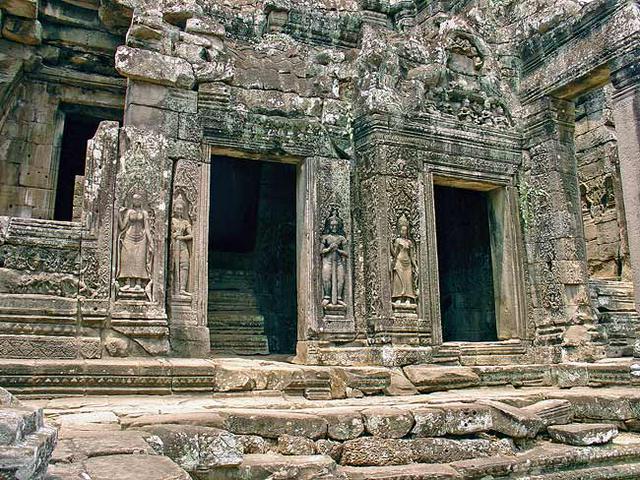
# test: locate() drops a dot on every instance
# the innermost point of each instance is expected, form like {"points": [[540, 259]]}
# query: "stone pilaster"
{"points": [[625, 77], [393, 224], [562, 316]]}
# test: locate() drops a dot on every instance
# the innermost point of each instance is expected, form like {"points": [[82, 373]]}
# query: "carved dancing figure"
{"points": [[136, 246], [334, 255], [403, 265], [181, 236]]}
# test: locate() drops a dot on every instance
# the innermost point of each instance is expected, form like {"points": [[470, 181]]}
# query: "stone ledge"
{"points": [[173, 375]]}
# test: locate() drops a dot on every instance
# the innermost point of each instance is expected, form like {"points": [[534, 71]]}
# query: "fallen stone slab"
{"points": [[583, 434], [512, 421], [388, 422], [133, 467], [273, 466], [402, 472], [274, 423], [99, 444], [552, 412], [435, 378], [195, 448]]}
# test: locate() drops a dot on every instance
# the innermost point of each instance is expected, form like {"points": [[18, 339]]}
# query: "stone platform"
{"points": [[540, 433], [165, 376]]}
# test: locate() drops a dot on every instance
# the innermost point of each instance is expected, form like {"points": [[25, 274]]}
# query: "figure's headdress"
{"points": [[180, 202], [403, 221], [334, 215]]}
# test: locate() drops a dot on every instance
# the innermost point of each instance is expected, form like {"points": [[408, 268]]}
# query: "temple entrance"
{"points": [[466, 280], [252, 257], [80, 125]]}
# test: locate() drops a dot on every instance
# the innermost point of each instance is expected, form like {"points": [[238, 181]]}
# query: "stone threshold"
{"points": [[164, 376]]}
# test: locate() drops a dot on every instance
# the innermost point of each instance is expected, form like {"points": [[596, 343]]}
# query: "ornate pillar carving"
{"points": [[140, 246], [625, 77], [188, 252], [563, 318], [97, 236], [325, 255], [397, 294]]}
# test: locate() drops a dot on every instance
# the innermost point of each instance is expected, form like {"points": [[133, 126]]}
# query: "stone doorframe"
{"points": [[506, 247], [322, 187]]}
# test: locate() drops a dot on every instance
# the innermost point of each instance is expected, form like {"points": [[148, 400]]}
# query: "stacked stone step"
{"points": [[463, 440], [26, 443], [235, 325], [617, 313]]}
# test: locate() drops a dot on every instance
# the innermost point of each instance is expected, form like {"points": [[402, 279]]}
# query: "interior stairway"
{"points": [[235, 325], [617, 314]]}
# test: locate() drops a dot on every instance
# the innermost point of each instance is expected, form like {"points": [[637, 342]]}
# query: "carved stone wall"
{"points": [[375, 103]]}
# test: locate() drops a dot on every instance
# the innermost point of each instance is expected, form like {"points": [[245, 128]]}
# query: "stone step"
{"points": [[230, 279], [233, 320], [240, 342]]}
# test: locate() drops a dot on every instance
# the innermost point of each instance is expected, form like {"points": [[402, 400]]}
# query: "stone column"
{"points": [[564, 321], [625, 77]]}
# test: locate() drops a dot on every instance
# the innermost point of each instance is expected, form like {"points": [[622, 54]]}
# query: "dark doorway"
{"points": [[252, 257], [80, 125], [467, 300]]}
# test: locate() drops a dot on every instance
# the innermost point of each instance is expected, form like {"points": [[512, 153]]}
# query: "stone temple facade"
{"points": [[332, 200], [356, 182]]}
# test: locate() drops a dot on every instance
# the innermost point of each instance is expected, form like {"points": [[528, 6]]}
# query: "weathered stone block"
{"points": [[21, 30], [20, 8], [292, 445], [133, 467], [408, 472], [451, 419], [198, 448], [365, 451], [343, 423], [205, 26], [387, 422], [154, 67], [273, 424], [433, 378], [552, 412], [89, 445]]}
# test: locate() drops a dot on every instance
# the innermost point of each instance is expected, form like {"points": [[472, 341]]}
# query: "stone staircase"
{"points": [[235, 325], [26, 443], [616, 311]]}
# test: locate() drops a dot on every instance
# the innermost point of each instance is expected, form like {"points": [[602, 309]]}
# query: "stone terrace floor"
{"points": [[261, 419]]}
